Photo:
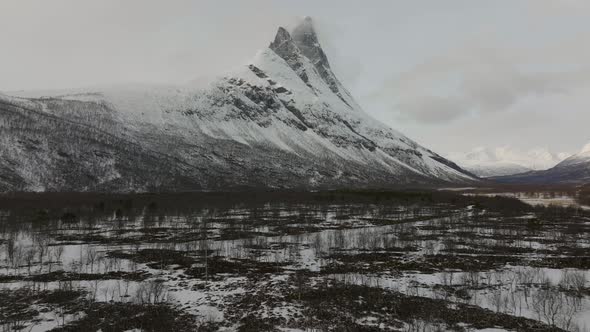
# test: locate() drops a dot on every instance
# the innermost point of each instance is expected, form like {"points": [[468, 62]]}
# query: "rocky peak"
{"points": [[282, 38], [285, 47], [306, 39]]}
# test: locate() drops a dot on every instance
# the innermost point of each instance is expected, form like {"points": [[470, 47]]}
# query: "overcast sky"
{"points": [[451, 74]]}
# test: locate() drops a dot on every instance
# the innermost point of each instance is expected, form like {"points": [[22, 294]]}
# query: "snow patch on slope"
{"points": [[581, 157]]}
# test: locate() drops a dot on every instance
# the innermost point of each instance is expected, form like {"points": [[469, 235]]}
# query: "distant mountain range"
{"points": [[282, 121], [572, 170], [501, 161]]}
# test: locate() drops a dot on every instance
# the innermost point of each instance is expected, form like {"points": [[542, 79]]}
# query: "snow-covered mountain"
{"points": [[486, 170], [282, 121], [489, 162], [575, 169], [580, 158]]}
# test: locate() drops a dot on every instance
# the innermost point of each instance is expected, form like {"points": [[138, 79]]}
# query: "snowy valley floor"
{"points": [[329, 261]]}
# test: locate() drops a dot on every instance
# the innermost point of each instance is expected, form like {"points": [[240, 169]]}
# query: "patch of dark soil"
{"points": [[412, 236], [70, 276], [389, 249], [382, 262], [492, 250], [220, 265], [111, 317], [235, 234], [403, 219], [341, 305], [16, 304], [84, 238], [251, 324], [149, 235], [460, 292], [563, 262], [297, 229], [59, 296], [271, 245]]}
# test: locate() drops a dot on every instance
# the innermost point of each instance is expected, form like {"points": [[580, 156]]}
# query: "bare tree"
{"points": [[29, 257], [57, 253], [573, 280], [91, 256], [555, 308]]}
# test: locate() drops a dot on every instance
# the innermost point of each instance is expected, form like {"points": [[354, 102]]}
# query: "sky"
{"points": [[452, 75]]}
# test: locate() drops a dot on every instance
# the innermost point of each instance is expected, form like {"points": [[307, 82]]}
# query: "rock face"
{"points": [[305, 38], [283, 121]]}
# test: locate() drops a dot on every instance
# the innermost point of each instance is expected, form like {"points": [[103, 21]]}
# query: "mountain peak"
{"points": [[305, 25], [585, 149], [303, 43], [306, 38], [281, 37], [284, 46]]}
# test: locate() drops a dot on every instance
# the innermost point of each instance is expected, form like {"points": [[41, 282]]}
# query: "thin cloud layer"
{"points": [[475, 79]]}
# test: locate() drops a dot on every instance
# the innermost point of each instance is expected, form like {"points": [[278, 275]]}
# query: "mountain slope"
{"points": [[572, 170], [283, 121]]}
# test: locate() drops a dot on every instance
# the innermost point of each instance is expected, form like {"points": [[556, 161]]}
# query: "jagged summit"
{"points": [[282, 36], [285, 47], [305, 37]]}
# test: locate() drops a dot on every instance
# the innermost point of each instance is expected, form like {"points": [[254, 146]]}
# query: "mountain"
{"points": [[282, 121], [486, 170], [572, 170], [489, 162]]}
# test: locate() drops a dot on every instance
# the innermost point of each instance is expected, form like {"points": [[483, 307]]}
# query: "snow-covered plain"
{"points": [[256, 260]]}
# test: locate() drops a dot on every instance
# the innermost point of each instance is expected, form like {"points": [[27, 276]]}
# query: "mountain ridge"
{"points": [[572, 170], [503, 161]]}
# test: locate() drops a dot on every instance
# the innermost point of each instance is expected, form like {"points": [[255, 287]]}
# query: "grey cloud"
{"points": [[431, 109], [475, 80]]}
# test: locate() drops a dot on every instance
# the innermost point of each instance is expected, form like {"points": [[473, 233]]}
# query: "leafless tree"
{"points": [[151, 292], [91, 256], [29, 257], [57, 253], [555, 308], [573, 280]]}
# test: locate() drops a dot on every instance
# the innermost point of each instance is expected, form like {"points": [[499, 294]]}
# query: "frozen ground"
{"points": [[400, 262]]}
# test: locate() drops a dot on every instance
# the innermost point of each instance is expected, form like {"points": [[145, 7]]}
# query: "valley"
{"points": [[361, 260]]}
